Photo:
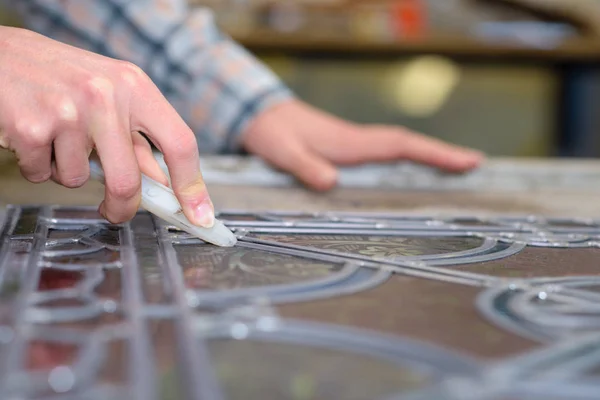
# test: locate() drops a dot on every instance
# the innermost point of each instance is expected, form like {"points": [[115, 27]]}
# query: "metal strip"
{"points": [[193, 352]]}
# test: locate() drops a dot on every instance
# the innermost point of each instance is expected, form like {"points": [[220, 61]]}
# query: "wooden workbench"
{"points": [[571, 188]]}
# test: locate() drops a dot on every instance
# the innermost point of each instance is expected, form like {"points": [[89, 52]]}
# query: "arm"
{"points": [[216, 86]]}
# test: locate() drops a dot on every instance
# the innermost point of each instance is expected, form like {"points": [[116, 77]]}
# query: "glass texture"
{"points": [[206, 267], [98, 257], [139, 310], [256, 370], [379, 246], [27, 222]]}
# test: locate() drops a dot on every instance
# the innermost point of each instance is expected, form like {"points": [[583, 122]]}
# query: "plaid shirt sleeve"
{"points": [[215, 84]]}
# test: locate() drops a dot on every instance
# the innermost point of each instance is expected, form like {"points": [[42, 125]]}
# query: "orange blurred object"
{"points": [[408, 18]]}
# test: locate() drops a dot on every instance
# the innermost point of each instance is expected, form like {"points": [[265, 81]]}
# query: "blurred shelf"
{"points": [[571, 50]]}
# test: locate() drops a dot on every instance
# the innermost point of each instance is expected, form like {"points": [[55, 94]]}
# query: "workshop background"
{"points": [[517, 78]]}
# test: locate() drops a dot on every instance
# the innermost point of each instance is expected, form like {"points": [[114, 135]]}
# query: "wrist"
{"points": [[263, 110]]}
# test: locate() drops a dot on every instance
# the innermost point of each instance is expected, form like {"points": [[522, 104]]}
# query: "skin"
{"points": [[59, 103], [311, 144]]}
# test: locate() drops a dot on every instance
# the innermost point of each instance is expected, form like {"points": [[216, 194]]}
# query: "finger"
{"points": [[308, 167], [148, 164], [33, 150], [153, 115], [71, 166], [388, 144], [114, 146]]}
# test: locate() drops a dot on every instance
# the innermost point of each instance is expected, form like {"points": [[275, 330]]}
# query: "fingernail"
{"points": [[204, 215]]}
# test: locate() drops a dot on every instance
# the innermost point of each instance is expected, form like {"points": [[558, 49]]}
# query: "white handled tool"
{"points": [[161, 201]]}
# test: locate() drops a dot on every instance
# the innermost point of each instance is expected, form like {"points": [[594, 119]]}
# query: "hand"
{"points": [[309, 143], [58, 103]]}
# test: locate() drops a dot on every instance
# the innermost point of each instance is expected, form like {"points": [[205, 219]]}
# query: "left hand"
{"points": [[309, 143]]}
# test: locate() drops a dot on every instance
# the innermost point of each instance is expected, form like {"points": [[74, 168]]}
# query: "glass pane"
{"points": [[208, 267], [45, 355], [102, 256], [255, 370], [108, 235], [379, 246], [434, 311], [53, 279], [64, 233], [535, 262], [27, 222]]}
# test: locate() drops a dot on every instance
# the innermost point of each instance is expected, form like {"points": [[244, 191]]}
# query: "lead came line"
{"points": [[15, 358], [195, 364], [141, 365]]}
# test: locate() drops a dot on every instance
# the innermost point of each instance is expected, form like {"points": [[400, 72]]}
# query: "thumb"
{"points": [[308, 167]]}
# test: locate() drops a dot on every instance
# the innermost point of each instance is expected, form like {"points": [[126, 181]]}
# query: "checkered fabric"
{"points": [[213, 82]]}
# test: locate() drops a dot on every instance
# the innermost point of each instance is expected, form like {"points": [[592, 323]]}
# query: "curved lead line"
{"points": [[361, 280], [527, 321], [310, 289], [376, 263], [67, 253], [77, 267], [513, 249], [426, 358], [59, 334], [552, 390], [553, 324], [41, 315], [333, 279], [67, 222], [576, 367], [25, 385], [38, 298], [528, 366], [378, 278], [84, 290], [486, 303]]}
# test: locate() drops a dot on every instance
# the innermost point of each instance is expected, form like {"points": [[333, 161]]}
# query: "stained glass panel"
{"points": [[306, 306]]}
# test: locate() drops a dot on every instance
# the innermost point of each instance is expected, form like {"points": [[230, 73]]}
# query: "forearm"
{"points": [[216, 86]]}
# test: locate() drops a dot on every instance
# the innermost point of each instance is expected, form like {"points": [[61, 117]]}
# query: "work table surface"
{"points": [[568, 188]]}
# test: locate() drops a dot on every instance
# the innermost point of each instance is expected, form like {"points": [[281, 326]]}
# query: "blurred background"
{"points": [[510, 77]]}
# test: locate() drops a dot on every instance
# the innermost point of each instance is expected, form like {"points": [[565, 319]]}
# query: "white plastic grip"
{"points": [[161, 201]]}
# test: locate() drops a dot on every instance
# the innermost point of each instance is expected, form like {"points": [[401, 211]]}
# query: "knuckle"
{"points": [[97, 90], [124, 187], [131, 74], [183, 145], [66, 110], [32, 134]]}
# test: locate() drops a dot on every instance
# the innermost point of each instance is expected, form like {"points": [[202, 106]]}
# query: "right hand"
{"points": [[63, 101]]}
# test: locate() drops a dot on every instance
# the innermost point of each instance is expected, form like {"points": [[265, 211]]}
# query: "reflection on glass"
{"points": [[64, 233], [208, 267], [255, 370], [101, 256], [108, 235], [27, 222], [379, 246]]}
